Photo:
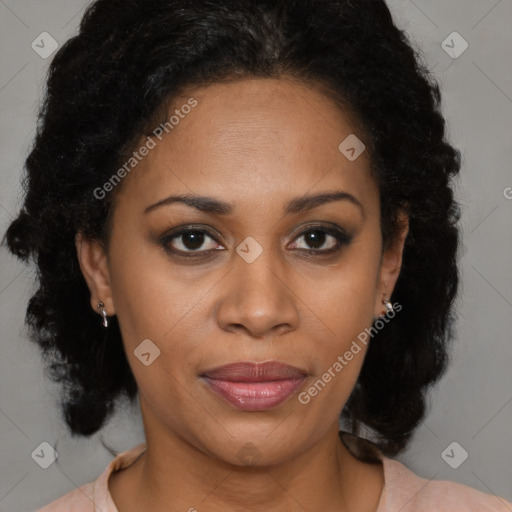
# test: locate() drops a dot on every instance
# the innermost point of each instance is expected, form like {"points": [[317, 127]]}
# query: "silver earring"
{"points": [[388, 305], [104, 313]]}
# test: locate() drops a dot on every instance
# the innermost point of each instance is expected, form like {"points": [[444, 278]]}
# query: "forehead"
{"points": [[265, 136], [265, 117]]}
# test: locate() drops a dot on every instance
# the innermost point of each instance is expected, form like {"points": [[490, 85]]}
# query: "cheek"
{"points": [[338, 356], [150, 297], [157, 310], [345, 301], [345, 304]]}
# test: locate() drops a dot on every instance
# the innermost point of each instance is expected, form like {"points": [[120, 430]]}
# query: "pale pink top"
{"points": [[403, 490]]}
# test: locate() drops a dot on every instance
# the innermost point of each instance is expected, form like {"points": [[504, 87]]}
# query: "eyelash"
{"points": [[341, 237]]}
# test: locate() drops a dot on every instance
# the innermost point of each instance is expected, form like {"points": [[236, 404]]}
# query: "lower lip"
{"points": [[254, 396]]}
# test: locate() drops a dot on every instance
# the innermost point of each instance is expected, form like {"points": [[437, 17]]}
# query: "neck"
{"points": [[173, 474]]}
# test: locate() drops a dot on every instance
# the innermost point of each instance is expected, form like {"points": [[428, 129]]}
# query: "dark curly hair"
{"points": [[129, 59]]}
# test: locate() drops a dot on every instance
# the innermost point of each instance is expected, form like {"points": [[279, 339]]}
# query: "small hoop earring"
{"points": [[104, 313]]}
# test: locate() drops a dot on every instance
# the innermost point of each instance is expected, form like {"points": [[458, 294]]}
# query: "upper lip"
{"points": [[245, 371]]}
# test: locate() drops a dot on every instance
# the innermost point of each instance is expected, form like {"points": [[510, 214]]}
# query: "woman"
{"points": [[242, 214]]}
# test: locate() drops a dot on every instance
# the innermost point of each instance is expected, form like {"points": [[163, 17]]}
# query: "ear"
{"points": [[94, 266], [391, 263]]}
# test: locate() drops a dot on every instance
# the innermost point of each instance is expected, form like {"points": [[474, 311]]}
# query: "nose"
{"points": [[258, 298]]}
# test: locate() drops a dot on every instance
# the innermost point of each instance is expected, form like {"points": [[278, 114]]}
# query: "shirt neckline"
{"points": [[367, 451], [361, 448]]}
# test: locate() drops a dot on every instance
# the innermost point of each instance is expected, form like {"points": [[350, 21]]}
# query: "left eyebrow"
{"points": [[309, 202], [215, 206]]}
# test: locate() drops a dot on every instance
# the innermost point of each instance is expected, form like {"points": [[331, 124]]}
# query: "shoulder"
{"points": [[404, 490], [95, 495], [409, 492], [78, 500]]}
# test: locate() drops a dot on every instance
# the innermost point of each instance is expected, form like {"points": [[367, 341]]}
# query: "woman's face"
{"points": [[244, 283]]}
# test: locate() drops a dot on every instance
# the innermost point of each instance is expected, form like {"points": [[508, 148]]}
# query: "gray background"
{"points": [[472, 404]]}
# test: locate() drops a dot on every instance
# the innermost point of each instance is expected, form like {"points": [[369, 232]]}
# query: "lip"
{"points": [[254, 386]]}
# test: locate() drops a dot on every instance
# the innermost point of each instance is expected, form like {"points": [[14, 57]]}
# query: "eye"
{"points": [[190, 241], [197, 242], [322, 240]]}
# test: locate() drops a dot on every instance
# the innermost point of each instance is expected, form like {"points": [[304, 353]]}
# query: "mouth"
{"points": [[254, 386]]}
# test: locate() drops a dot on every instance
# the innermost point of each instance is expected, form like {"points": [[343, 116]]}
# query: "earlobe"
{"points": [[94, 266]]}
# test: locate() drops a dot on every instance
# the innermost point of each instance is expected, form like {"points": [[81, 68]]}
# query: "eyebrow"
{"points": [[217, 207]]}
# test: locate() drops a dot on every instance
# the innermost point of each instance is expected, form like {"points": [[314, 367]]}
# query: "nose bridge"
{"points": [[258, 271], [257, 295]]}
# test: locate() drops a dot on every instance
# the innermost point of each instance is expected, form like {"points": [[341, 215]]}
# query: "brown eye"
{"points": [[322, 240], [315, 239], [190, 241]]}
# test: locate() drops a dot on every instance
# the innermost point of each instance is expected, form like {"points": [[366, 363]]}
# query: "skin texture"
{"points": [[257, 144]]}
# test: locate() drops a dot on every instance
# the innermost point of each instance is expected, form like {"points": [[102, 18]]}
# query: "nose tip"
{"points": [[260, 330], [256, 298]]}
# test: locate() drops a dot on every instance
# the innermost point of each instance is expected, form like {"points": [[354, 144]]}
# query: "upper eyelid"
{"points": [[180, 231], [327, 228], [210, 231]]}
